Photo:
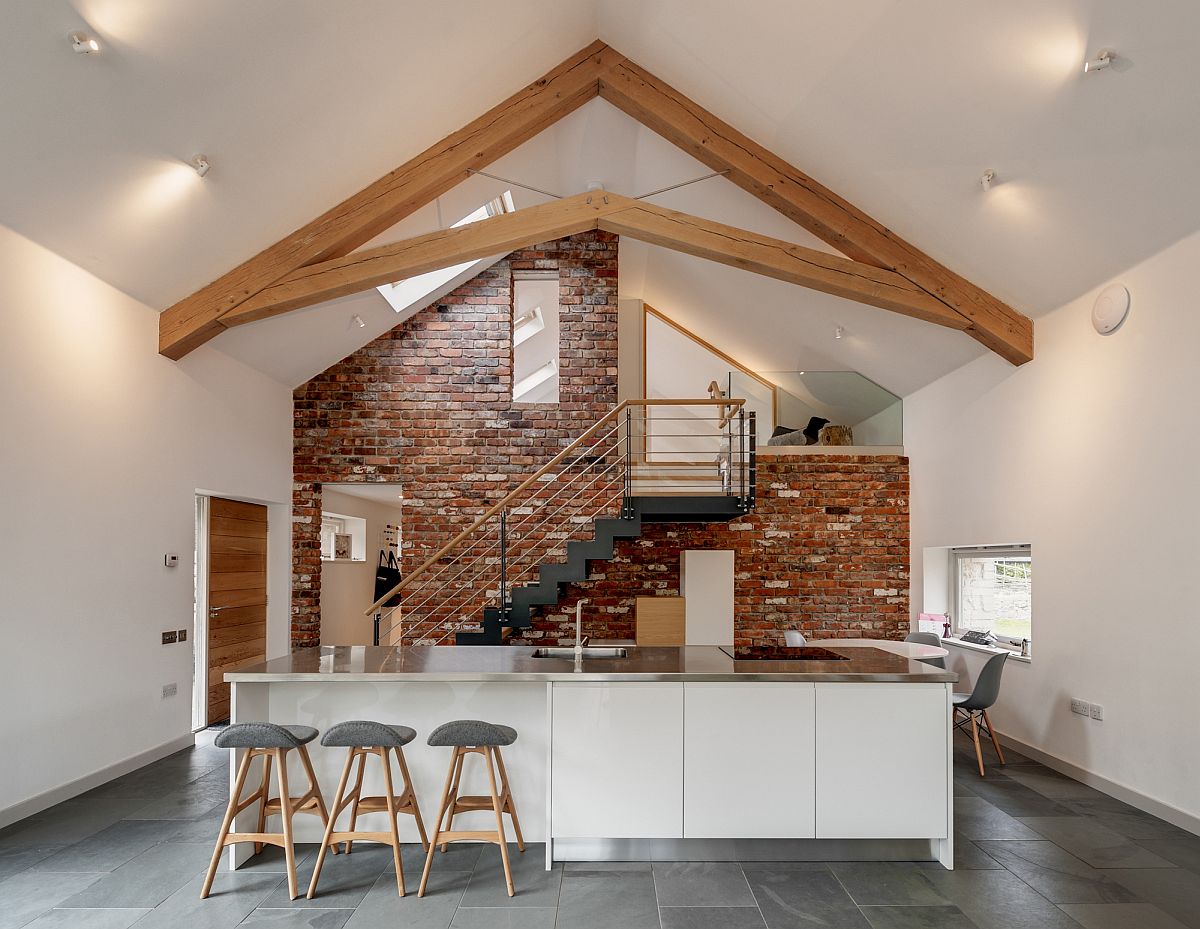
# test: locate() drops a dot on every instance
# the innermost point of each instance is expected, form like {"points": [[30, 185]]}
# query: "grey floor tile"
{"points": [[792, 899], [917, 917], [608, 900], [29, 894], [1177, 891], [977, 819], [179, 805], [1120, 916], [312, 918], [146, 880], [1183, 851], [17, 858], [1096, 844], [383, 908], [701, 883], [711, 917], [999, 900], [535, 885], [967, 856], [1051, 784], [203, 829], [569, 866], [460, 856], [273, 859], [109, 848], [1057, 874], [88, 919], [529, 917], [1127, 820], [1015, 799], [234, 896], [749, 866], [344, 881], [887, 883], [70, 822]]}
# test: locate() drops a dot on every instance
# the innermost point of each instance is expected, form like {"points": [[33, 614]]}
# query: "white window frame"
{"points": [[975, 551]]}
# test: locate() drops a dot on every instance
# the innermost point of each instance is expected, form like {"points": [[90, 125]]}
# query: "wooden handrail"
{"points": [[528, 482]]}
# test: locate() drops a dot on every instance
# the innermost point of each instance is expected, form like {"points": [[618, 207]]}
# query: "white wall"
{"points": [[348, 587], [105, 444], [1089, 453]]}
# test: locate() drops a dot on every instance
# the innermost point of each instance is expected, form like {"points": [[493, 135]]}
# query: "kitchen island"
{"points": [[668, 753]]}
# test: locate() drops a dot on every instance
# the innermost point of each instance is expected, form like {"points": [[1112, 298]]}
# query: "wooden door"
{"points": [[237, 594]]}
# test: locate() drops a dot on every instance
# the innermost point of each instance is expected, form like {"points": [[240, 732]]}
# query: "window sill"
{"points": [[343, 561], [986, 649]]}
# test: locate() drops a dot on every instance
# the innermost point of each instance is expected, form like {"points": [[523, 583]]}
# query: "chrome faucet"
{"points": [[579, 630]]}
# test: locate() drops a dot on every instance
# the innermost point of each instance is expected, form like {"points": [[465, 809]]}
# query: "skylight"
{"points": [[525, 385], [528, 325], [412, 290]]}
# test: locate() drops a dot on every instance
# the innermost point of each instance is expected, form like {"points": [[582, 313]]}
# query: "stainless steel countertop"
{"points": [[363, 663]]}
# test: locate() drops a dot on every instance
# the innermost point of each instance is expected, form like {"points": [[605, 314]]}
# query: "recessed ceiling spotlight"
{"points": [[200, 164], [986, 181], [83, 44], [1103, 59]]}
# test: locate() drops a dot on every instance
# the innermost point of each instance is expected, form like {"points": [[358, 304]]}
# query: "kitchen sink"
{"points": [[590, 651]]}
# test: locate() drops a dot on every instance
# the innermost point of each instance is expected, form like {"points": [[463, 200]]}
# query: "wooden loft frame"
{"points": [[648, 311], [880, 269]]}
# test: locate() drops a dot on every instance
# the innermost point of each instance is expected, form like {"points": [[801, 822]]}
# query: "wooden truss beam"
{"points": [[320, 258]]}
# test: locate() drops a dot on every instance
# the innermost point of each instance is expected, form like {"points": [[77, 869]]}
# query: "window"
{"points": [[343, 538], [331, 527], [993, 591], [535, 337]]}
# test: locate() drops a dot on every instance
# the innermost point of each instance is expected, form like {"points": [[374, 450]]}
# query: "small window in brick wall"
{"points": [[535, 337]]}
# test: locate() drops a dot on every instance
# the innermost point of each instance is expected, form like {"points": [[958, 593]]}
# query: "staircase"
{"points": [[646, 461]]}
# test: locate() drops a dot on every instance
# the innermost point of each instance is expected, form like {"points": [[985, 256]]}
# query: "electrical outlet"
{"points": [[1097, 711], [169, 638], [1082, 707], [170, 690], [182, 635]]}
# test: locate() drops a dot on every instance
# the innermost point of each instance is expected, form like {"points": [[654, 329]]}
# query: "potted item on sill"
{"points": [[341, 546]]}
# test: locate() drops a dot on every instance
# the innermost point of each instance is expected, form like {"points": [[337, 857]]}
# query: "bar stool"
{"points": [[363, 738], [466, 737], [273, 742]]}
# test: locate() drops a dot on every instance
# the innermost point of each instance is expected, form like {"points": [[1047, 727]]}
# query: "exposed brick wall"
{"points": [[825, 550], [428, 405]]}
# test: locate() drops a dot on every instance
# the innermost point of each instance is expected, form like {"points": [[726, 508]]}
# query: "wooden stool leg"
{"points": [[264, 792], [510, 804], [411, 793], [234, 796], [461, 756], [390, 798], [978, 750], [285, 813], [995, 742], [437, 823], [337, 808], [500, 839], [362, 763], [322, 809]]}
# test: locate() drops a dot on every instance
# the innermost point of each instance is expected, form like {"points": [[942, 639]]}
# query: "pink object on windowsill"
{"points": [[937, 623]]}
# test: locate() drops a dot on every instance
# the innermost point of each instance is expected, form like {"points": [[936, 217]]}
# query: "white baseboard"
{"points": [[1122, 792], [49, 798]]}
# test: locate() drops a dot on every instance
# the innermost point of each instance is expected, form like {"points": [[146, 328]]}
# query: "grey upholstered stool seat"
{"points": [[363, 733], [464, 732], [474, 737], [264, 735]]}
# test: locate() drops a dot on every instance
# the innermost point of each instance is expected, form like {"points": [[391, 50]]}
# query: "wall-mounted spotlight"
{"points": [[200, 164], [83, 44], [358, 321], [839, 331], [1103, 59], [986, 180]]}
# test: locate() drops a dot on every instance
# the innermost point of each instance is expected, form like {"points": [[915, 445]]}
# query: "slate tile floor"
{"points": [[1034, 850]]}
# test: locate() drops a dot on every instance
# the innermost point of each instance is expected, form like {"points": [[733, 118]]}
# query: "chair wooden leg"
{"points": [[285, 813], [322, 810], [362, 763], [450, 809], [264, 792], [437, 823], [411, 793], [337, 808], [230, 810], [510, 804], [995, 742], [393, 812], [978, 750], [500, 838]]}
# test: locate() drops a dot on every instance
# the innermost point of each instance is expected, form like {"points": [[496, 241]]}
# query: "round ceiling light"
{"points": [[1111, 308]]}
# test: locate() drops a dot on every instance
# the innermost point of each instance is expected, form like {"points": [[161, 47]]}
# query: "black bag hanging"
{"points": [[387, 576]]}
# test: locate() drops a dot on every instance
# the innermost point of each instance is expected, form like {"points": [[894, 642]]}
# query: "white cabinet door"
{"points": [[616, 761], [749, 768], [882, 761]]}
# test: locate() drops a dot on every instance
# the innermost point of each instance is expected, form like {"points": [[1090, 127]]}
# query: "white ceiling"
{"points": [[899, 105]]}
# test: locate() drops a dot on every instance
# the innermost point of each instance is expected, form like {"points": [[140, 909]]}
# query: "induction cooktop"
{"points": [[782, 653]]}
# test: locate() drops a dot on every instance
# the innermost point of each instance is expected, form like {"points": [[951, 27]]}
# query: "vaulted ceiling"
{"points": [[899, 107]]}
